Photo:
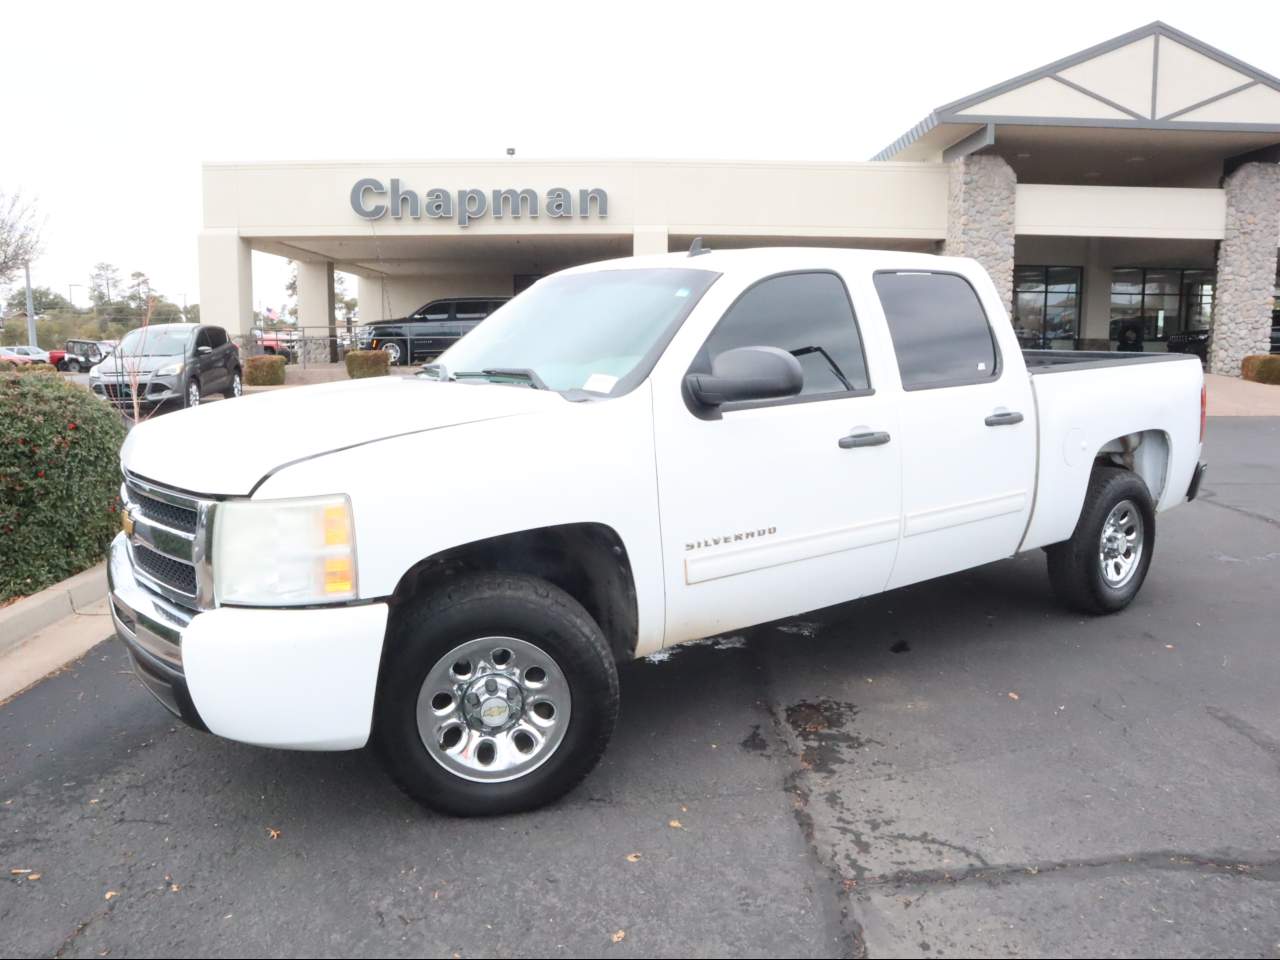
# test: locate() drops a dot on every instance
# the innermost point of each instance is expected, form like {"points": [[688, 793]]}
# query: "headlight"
{"points": [[95, 372], [284, 552], [170, 369]]}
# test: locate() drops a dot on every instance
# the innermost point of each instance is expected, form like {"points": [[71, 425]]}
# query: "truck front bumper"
{"points": [[302, 679]]}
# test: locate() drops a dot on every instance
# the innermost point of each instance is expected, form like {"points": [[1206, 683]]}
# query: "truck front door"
{"points": [[968, 427], [774, 508]]}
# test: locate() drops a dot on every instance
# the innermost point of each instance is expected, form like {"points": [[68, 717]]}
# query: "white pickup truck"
{"points": [[628, 455]]}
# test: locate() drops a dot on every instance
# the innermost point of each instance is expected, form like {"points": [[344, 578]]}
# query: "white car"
{"points": [[627, 456], [32, 354]]}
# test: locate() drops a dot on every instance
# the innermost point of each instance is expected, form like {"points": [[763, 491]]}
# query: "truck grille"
{"points": [[171, 515], [172, 573], [167, 541]]}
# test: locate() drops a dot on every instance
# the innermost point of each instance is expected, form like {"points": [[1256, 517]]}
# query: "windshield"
{"points": [[582, 331], [156, 342]]}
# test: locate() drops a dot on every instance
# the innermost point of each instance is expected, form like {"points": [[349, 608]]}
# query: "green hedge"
{"points": [[265, 371], [8, 366], [1261, 368], [59, 480], [367, 363]]}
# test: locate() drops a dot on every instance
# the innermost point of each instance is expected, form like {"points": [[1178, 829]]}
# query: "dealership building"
{"points": [[1118, 197]]}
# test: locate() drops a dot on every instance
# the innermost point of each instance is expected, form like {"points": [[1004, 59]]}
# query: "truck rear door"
{"points": [[967, 425]]}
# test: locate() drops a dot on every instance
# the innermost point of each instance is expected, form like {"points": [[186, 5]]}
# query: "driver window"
{"points": [[807, 314]]}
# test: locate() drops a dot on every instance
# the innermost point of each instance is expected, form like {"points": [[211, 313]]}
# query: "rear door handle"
{"points": [[1004, 418], [871, 438]]}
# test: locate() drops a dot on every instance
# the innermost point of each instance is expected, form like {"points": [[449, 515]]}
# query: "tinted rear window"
{"points": [[939, 329]]}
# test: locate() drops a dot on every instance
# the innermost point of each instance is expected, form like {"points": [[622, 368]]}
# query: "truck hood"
{"points": [[226, 447]]}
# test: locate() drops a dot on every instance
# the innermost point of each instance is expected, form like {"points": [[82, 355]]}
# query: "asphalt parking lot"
{"points": [[956, 768]]}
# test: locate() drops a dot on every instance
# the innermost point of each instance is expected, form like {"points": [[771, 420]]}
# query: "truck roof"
{"points": [[756, 260]]}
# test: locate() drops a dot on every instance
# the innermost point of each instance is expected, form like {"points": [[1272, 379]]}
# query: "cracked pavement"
{"points": [[956, 768]]}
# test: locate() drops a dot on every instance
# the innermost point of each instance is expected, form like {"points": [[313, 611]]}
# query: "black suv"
{"points": [[169, 361], [429, 331]]}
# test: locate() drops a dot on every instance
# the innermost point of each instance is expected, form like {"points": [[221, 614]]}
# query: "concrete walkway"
{"points": [[1233, 397]]}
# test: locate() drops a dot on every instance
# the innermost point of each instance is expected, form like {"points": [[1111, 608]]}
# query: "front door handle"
{"points": [[1004, 418], [871, 438]]}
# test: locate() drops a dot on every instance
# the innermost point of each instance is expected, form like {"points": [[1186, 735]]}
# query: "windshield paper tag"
{"points": [[600, 383]]}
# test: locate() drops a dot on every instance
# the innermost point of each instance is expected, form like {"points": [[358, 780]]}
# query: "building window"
{"points": [[1148, 304], [1046, 307]]}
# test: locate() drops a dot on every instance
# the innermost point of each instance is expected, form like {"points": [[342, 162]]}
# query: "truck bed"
{"points": [[1055, 361]]}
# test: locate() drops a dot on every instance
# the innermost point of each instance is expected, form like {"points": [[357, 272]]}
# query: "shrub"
{"points": [[1261, 368], [59, 481], [367, 363], [37, 368], [265, 371]]}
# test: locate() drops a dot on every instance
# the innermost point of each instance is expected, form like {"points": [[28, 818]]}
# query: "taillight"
{"points": [[1204, 406]]}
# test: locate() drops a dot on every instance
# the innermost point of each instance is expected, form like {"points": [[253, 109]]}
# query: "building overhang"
{"points": [[1152, 81]]}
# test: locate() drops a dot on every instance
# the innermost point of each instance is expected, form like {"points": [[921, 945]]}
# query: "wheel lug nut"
{"points": [[491, 685], [512, 693], [473, 699]]}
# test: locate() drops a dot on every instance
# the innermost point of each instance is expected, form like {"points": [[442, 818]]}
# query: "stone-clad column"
{"points": [[1246, 268], [981, 195]]}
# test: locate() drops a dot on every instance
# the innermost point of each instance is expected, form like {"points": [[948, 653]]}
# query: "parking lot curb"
{"points": [[30, 614]]}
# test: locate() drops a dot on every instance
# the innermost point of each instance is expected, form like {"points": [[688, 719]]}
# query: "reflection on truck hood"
{"points": [[226, 447]]}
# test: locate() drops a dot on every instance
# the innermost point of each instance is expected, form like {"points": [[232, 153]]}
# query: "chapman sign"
{"points": [[373, 200]]}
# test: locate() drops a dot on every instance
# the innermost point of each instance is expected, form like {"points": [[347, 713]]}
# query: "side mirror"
{"points": [[203, 350], [747, 373]]}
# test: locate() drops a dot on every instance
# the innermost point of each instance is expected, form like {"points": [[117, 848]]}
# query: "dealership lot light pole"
{"points": [[31, 307]]}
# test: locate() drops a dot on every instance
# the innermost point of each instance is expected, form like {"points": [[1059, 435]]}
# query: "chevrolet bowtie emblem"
{"points": [[126, 522]]}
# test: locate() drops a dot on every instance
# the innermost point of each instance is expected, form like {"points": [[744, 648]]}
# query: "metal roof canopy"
{"points": [[1154, 78]]}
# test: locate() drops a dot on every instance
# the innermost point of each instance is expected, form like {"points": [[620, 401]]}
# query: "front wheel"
{"points": [[192, 397], [393, 352], [1102, 567], [499, 694]]}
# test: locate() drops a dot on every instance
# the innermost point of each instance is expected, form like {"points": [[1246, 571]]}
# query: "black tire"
{"points": [[188, 400], [1075, 565], [522, 607], [230, 393], [73, 366]]}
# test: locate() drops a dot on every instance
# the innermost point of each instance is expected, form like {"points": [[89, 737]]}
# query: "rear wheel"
{"points": [[237, 386], [73, 366], [499, 694], [1102, 567]]}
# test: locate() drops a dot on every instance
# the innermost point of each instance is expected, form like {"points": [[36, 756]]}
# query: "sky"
{"points": [[114, 106]]}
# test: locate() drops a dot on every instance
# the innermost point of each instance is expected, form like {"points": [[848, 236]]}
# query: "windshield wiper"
{"points": [[507, 373], [835, 367]]}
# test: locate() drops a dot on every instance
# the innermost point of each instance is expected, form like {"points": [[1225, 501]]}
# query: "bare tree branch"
{"points": [[19, 234]]}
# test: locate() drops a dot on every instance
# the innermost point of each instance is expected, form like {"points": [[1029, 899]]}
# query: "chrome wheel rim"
{"points": [[193, 394], [392, 350], [236, 386], [1120, 545], [493, 709]]}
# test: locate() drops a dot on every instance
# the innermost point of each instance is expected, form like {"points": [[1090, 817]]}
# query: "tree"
{"points": [[104, 284], [19, 234], [139, 290], [44, 300]]}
